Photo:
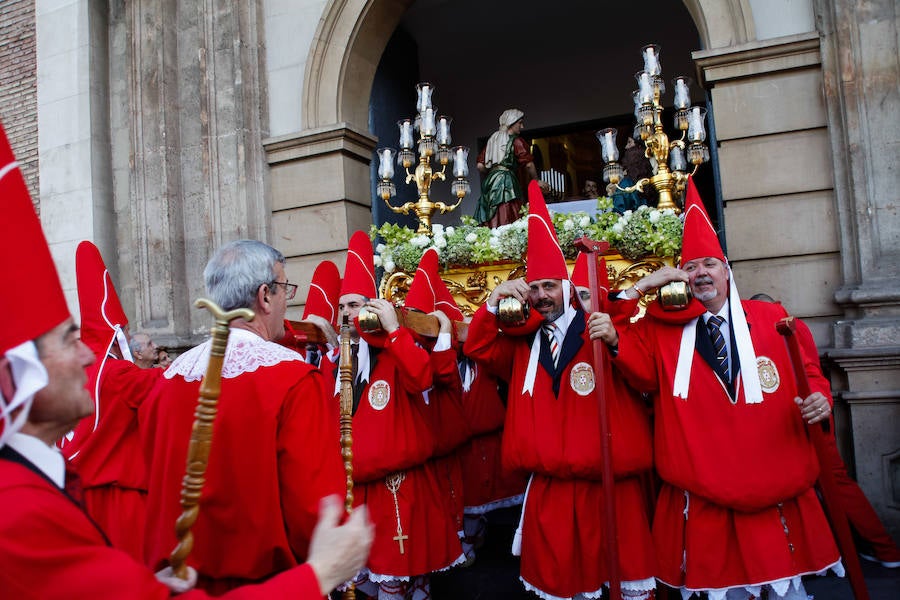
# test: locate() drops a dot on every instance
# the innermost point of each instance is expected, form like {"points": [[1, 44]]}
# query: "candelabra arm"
{"points": [[403, 210], [440, 174], [639, 186], [443, 207], [410, 177]]}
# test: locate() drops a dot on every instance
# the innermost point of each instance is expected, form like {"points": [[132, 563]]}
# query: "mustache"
{"points": [[703, 279]]}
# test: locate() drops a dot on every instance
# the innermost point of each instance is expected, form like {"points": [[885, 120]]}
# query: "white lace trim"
{"points": [[246, 352], [638, 585], [779, 586], [494, 505], [380, 578]]}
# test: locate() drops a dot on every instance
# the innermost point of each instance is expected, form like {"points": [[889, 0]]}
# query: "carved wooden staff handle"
{"points": [[346, 375], [201, 433]]}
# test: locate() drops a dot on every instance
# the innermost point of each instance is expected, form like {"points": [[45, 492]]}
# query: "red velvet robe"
{"points": [[555, 436], [109, 459], [748, 469], [275, 453], [392, 433], [50, 549], [486, 484]]}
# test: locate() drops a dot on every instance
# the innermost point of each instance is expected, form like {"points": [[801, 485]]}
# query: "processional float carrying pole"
{"points": [[201, 434], [827, 484], [346, 424], [592, 249]]}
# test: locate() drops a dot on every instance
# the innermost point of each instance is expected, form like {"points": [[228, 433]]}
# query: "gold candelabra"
{"points": [[671, 157], [434, 141]]}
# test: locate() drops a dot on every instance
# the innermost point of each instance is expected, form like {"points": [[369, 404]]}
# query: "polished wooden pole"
{"points": [[201, 434], [346, 423]]}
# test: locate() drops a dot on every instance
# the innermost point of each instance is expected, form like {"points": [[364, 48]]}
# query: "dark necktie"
{"points": [[550, 330], [354, 361], [714, 324], [73, 487]]}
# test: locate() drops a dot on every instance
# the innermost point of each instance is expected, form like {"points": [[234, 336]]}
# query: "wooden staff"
{"points": [[592, 248], [828, 486], [346, 376], [201, 434]]}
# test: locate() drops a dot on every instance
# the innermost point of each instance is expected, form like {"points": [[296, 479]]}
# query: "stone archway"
{"points": [[353, 33]]}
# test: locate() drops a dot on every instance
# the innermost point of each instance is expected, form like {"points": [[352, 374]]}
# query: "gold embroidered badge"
{"points": [[379, 394], [768, 374], [581, 378]]}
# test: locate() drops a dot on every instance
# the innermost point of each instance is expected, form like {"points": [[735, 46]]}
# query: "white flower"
{"points": [[450, 230], [568, 225], [668, 211], [389, 266], [377, 260], [440, 242], [584, 221], [618, 227], [494, 242], [471, 238], [437, 228], [627, 214], [420, 241], [380, 248], [643, 207], [654, 216]]}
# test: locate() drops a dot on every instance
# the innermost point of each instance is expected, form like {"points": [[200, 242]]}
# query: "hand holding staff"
{"points": [[592, 248], [201, 433], [831, 499]]}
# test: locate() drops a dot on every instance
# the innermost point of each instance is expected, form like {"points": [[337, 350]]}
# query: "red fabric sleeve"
{"points": [[486, 345], [309, 459], [520, 148], [413, 364], [446, 371], [635, 358], [817, 380]]}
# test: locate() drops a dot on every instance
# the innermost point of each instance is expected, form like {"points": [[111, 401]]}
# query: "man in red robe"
{"points": [[105, 448], [276, 443], [553, 428], [49, 547], [737, 511], [392, 441]]}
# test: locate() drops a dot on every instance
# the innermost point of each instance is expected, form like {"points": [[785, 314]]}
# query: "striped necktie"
{"points": [[550, 330], [718, 340]]}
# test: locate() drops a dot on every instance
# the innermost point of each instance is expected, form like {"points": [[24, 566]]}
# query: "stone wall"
{"points": [[18, 87]]}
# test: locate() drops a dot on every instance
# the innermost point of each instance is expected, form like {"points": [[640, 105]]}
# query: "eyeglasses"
{"points": [[290, 289]]}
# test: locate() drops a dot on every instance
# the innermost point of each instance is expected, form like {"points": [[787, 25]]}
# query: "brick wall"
{"points": [[18, 86]]}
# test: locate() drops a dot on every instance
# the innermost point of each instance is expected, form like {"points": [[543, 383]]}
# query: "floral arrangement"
{"points": [[633, 234]]}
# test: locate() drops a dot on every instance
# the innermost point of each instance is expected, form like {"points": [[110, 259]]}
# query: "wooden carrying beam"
{"points": [[423, 324]]}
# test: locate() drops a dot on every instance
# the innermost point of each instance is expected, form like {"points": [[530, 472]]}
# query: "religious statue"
{"points": [[499, 164]]}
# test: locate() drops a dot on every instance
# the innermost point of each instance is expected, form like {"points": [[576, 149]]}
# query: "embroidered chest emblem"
{"points": [[768, 374], [581, 378], [379, 394]]}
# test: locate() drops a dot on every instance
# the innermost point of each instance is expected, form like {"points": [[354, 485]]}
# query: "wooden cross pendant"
{"points": [[399, 539]]}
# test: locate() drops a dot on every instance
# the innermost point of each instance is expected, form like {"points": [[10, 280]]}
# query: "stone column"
{"points": [[861, 70], [189, 171]]}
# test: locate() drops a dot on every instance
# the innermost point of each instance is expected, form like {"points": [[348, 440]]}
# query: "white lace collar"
{"points": [[246, 352]]}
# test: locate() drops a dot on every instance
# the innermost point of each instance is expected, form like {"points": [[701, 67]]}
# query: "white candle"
{"points": [[406, 136], [386, 163], [424, 97], [651, 63], [460, 163], [443, 131], [682, 94], [676, 159], [428, 122], [696, 132], [645, 88]]}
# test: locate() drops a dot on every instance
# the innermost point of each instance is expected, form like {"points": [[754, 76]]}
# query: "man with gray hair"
{"points": [[499, 163], [144, 350], [276, 449], [49, 546]]}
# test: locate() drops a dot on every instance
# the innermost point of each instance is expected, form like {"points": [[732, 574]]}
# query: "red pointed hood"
{"points": [[26, 264], [359, 272], [102, 315], [324, 293], [699, 239], [545, 259]]}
